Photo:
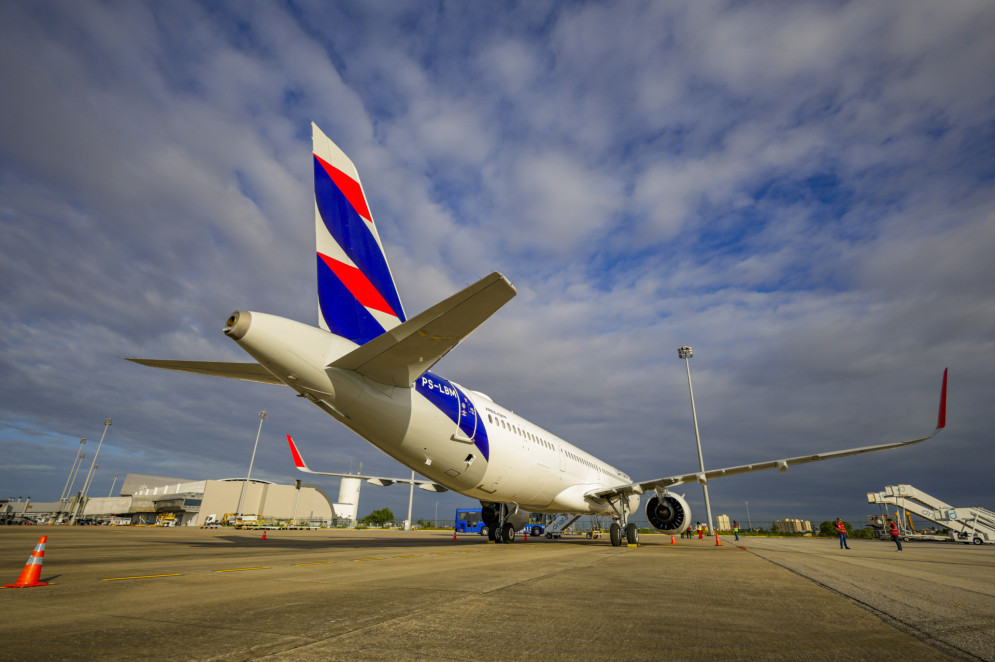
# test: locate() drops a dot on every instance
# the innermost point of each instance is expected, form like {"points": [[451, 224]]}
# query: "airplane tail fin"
{"points": [[357, 297]]}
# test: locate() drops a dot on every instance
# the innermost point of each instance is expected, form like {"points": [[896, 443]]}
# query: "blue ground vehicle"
{"points": [[468, 521], [534, 528]]}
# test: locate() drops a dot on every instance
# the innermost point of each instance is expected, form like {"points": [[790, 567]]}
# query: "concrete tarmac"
{"points": [[179, 594]]}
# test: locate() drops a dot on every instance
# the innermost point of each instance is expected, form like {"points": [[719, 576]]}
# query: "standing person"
{"points": [[895, 533], [735, 529], [841, 528]]}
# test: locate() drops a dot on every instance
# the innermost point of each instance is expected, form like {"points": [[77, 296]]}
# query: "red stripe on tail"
{"points": [[350, 188], [358, 284]]}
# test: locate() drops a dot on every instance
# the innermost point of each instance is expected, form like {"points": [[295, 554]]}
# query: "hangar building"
{"points": [[178, 502]]}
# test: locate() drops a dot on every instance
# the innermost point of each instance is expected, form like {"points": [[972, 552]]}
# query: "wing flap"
{"points": [[248, 372], [401, 355]]}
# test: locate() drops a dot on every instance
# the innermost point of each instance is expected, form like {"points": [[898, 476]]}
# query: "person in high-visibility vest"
{"points": [[735, 529], [841, 528], [895, 533]]}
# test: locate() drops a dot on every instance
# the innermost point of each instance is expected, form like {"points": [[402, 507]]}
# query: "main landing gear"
{"points": [[622, 531], [498, 530]]}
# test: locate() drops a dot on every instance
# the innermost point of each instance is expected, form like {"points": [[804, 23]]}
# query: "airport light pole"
{"points": [[113, 483], [297, 486], [748, 520], [72, 483], [79, 455], [686, 353], [241, 498], [93, 463]]}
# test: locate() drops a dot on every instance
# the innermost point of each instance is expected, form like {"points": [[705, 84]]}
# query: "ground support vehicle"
{"points": [[967, 525]]}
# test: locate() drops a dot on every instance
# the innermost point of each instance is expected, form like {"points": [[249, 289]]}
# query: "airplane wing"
{"points": [[402, 354], [426, 485], [249, 372], [780, 465]]}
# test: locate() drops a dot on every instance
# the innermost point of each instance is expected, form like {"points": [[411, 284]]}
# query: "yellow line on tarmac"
{"points": [[407, 556], [316, 563], [264, 567], [114, 579], [379, 558]]}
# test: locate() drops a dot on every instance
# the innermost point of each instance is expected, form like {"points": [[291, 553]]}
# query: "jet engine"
{"points": [[668, 514]]}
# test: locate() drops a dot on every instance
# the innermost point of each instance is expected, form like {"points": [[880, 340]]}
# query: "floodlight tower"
{"points": [[93, 463], [79, 456], [89, 475], [241, 497], [686, 353]]}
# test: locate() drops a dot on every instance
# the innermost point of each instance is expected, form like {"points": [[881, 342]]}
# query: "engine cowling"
{"points": [[669, 514]]}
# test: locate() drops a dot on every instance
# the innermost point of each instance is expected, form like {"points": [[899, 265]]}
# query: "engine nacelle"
{"points": [[670, 514]]}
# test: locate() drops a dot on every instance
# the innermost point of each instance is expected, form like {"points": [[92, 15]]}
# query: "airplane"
{"points": [[368, 366]]}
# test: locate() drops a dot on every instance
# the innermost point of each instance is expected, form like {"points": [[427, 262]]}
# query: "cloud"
{"points": [[801, 193]]}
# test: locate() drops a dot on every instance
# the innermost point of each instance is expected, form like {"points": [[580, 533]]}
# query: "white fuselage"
{"points": [[510, 461]]}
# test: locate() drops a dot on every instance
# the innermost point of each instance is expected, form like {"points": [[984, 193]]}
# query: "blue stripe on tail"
{"points": [[349, 229]]}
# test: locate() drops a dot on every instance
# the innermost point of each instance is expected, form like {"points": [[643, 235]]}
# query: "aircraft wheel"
{"points": [[509, 533], [492, 534], [632, 533], [615, 533]]}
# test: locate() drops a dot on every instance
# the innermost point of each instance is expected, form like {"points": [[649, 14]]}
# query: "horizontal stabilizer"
{"points": [[402, 354], [248, 372], [381, 481]]}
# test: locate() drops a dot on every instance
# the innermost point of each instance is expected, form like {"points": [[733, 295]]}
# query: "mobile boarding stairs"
{"points": [[966, 525]]}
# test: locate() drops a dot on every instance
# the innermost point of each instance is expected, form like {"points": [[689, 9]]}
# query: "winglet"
{"points": [[941, 419], [298, 460]]}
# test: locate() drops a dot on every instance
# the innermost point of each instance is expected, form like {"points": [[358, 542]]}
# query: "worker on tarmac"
{"points": [[895, 533], [735, 529], [841, 529]]}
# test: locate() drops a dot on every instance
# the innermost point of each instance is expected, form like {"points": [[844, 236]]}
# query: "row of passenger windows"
{"points": [[587, 463], [525, 434]]}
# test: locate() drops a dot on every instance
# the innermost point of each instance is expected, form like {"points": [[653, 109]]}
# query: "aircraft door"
{"points": [[455, 404]]}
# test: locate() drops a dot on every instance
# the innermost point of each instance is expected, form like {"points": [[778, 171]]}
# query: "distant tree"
{"points": [[378, 517], [422, 524]]}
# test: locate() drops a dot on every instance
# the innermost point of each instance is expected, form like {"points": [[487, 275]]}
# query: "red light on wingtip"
{"points": [[298, 462], [941, 419]]}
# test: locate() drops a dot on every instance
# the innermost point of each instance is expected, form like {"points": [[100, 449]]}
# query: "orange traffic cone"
{"points": [[32, 569], [672, 541], [718, 543], [454, 534], [264, 535], [526, 538]]}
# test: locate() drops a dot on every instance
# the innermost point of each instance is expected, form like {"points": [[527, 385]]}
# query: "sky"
{"points": [[803, 192]]}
